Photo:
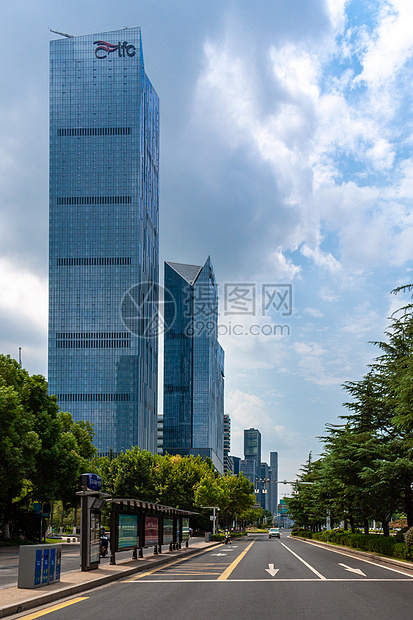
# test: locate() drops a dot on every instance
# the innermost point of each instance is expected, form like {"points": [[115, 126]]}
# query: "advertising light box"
{"points": [[128, 531], [151, 531], [185, 529], [168, 531]]}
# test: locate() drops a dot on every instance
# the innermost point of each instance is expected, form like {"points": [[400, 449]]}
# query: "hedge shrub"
{"points": [[222, 536]]}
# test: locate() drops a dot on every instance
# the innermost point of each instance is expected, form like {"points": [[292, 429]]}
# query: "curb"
{"points": [[50, 597], [358, 553]]}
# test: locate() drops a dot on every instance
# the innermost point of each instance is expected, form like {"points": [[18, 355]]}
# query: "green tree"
{"points": [[395, 368], [308, 506], [233, 495], [43, 449], [131, 475], [177, 477], [19, 444]]}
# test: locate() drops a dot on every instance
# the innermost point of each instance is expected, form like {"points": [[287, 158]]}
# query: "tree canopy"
{"points": [[366, 469], [42, 450]]}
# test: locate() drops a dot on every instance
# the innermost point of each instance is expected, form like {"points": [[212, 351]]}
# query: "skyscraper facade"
{"points": [[252, 447], [273, 486], [228, 460], [193, 364], [103, 240]]}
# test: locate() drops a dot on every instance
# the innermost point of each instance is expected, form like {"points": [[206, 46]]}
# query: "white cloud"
{"points": [[390, 45], [381, 154], [325, 260], [250, 411], [360, 322], [336, 9], [317, 314], [316, 364], [23, 295], [305, 137], [297, 71], [281, 267], [328, 294]]}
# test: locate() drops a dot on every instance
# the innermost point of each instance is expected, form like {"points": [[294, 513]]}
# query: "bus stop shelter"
{"points": [[136, 524]]}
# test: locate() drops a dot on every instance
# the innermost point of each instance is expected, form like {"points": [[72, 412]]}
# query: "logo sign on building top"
{"points": [[103, 49]]}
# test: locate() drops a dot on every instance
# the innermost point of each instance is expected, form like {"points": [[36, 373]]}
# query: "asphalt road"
{"points": [[253, 579]]}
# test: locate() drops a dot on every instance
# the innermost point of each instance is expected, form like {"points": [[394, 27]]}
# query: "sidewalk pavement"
{"points": [[16, 600]]}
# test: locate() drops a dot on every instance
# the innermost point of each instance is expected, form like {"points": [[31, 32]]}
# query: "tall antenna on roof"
{"points": [[63, 34]]}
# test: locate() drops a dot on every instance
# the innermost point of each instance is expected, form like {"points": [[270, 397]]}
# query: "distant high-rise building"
{"points": [[228, 460], [229, 467], [273, 487], [193, 364], [264, 472], [263, 477], [103, 252], [160, 434], [252, 447], [249, 468], [261, 486], [237, 464]]}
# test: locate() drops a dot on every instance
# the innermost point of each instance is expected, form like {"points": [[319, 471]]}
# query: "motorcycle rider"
{"points": [[104, 542]]}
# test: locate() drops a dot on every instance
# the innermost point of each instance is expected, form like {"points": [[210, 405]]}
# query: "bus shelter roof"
{"points": [[142, 505]]}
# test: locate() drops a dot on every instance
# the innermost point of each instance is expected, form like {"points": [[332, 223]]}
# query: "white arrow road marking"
{"points": [[218, 554], [353, 570], [273, 571]]}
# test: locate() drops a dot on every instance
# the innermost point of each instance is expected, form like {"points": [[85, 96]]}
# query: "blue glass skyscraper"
{"points": [[193, 421], [103, 246]]}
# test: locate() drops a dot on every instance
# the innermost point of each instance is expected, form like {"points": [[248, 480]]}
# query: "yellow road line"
{"points": [[196, 571], [171, 564], [38, 614], [186, 574], [206, 563], [235, 563]]}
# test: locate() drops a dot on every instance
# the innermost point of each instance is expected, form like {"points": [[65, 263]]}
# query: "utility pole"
{"points": [[214, 517]]}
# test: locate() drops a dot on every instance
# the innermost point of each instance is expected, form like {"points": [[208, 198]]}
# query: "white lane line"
{"points": [[354, 557], [266, 580], [304, 562]]}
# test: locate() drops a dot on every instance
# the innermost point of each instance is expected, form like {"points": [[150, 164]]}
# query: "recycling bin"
{"points": [[39, 565]]}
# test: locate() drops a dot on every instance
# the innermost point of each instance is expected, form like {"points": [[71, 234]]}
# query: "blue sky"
{"points": [[286, 155]]}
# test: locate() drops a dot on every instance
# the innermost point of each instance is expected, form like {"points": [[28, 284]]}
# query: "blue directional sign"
{"points": [[92, 481]]}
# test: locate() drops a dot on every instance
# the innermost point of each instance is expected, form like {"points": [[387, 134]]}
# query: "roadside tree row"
{"points": [[366, 469], [43, 451]]}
